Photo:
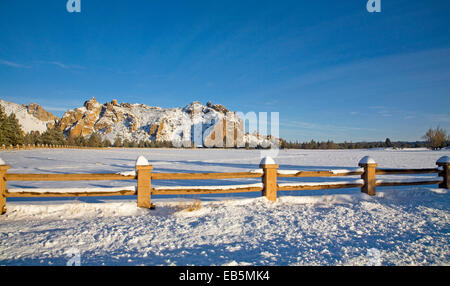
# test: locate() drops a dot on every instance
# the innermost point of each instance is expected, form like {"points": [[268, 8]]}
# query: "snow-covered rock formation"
{"points": [[31, 117], [212, 125]]}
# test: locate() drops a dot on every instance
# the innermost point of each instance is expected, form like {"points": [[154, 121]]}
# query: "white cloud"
{"points": [[61, 65], [12, 64]]}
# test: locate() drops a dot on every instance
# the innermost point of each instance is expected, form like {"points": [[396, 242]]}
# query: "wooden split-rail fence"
{"points": [[268, 187], [44, 146]]}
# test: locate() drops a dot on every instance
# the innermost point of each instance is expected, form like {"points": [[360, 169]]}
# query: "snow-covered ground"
{"points": [[401, 225]]}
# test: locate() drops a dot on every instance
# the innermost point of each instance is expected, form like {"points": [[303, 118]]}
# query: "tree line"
{"points": [[350, 145], [434, 139], [12, 134]]}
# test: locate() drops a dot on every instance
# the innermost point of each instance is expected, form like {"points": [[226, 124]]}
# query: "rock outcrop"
{"points": [[195, 123], [40, 113], [210, 125], [31, 117]]}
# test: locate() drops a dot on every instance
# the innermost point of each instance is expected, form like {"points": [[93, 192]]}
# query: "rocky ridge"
{"points": [[31, 117], [212, 125]]}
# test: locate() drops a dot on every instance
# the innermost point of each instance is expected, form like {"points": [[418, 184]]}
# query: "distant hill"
{"points": [[31, 117]]}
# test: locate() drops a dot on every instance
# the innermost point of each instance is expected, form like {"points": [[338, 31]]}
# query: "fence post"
{"points": [[144, 172], [444, 163], [3, 169], [269, 178], [368, 176]]}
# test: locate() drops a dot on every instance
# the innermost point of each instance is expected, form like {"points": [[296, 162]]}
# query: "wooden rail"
{"points": [[302, 174], [408, 183], [406, 171], [204, 190], [326, 186], [204, 176], [68, 177], [68, 194], [49, 146], [268, 187]]}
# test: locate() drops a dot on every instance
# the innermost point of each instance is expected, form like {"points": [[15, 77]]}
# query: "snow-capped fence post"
{"points": [[269, 178], [144, 172], [368, 176], [444, 163], [3, 169]]}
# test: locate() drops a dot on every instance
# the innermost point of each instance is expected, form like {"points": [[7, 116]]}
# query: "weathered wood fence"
{"points": [[44, 146], [268, 173]]}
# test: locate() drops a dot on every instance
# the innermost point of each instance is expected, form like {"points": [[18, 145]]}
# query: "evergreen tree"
{"points": [[388, 143], [32, 138], [126, 143], [106, 143], [10, 130], [94, 140], [53, 136], [80, 141], [71, 141], [118, 142], [3, 135], [142, 144]]}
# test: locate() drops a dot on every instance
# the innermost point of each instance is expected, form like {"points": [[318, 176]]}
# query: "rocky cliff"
{"points": [[212, 125], [40, 113], [31, 117]]}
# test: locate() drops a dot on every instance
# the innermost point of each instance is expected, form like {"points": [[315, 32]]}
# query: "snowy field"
{"points": [[399, 226]]}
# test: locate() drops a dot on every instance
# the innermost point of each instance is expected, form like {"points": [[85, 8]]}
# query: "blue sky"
{"points": [[331, 69]]}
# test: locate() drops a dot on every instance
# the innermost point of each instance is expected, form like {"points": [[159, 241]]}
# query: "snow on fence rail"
{"points": [[268, 172]]}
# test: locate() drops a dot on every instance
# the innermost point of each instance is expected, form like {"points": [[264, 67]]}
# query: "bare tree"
{"points": [[436, 138]]}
